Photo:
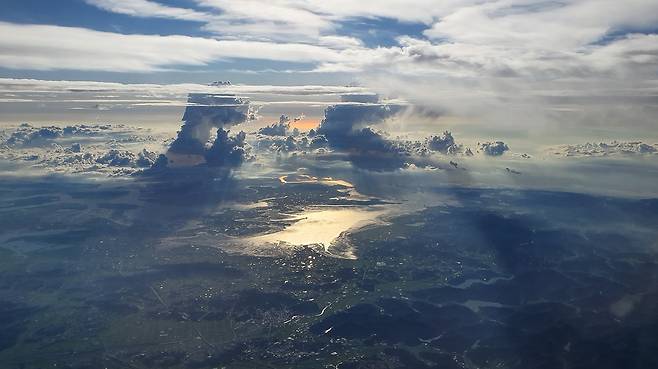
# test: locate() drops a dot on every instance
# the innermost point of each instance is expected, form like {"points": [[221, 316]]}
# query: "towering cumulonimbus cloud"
{"points": [[346, 127], [205, 112], [343, 123], [227, 151]]}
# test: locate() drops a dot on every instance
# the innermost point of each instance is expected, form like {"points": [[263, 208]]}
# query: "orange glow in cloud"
{"points": [[305, 124]]}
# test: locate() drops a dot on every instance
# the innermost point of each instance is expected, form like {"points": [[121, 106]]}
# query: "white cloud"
{"points": [[638, 53], [105, 149], [424, 11], [41, 47], [29, 86], [265, 20], [540, 38], [530, 39], [284, 20], [601, 149], [149, 9], [508, 59]]}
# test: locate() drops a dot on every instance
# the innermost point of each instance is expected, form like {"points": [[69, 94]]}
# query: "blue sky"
{"points": [[78, 13]]}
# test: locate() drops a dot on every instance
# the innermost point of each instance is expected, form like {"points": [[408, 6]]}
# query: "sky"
{"points": [[533, 68]]}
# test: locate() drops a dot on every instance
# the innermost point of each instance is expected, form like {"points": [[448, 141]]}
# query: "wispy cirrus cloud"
{"points": [[45, 47], [470, 55], [535, 39], [28, 86], [149, 9]]}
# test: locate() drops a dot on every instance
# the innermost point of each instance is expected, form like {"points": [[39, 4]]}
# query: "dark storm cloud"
{"points": [[372, 151], [344, 119], [207, 111], [346, 128], [227, 151], [318, 141]]}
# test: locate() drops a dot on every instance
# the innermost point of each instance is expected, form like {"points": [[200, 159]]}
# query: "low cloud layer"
{"points": [[123, 151], [446, 144], [281, 128], [32, 86], [351, 130], [108, 149], [496, 148], [603, 149]]}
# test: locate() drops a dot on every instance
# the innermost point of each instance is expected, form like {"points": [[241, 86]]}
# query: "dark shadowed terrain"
{"points": [[90, 278]]}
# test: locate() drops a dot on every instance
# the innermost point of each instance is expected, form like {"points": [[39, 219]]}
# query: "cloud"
{"points": [[27, 135], [445, 144], [345, 133], [148, 9], [270, 21], [31, 86], [345, 128], [318, 141], [207, 111], [309, 13], [43, 47], [529, 25], [281, 128], [577, 64], [510, 39], [464, 38], [364, 98], [123, 158], [343, 119], [107, 149], [496, 148], [513, 59], [467, 38], [283, 144], [287, 21], [228, 151], [615, 148]]}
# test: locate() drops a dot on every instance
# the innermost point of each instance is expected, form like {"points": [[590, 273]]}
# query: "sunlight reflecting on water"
{"points": [[322, 226], [303, 178]]}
